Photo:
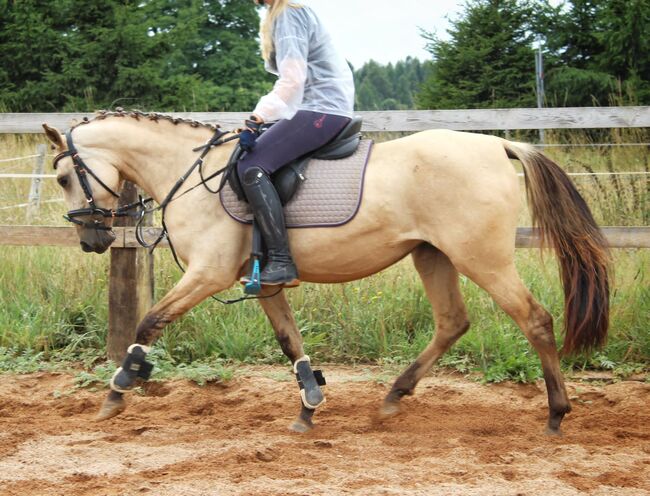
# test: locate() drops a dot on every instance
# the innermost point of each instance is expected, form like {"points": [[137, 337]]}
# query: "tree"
{"points": [[153, 54], [488, 61], [32, 49], [389, 87], [597, 48], [214, 52], [626, 42]]}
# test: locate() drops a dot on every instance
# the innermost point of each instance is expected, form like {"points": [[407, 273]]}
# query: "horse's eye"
{"points": [[63, 181]]}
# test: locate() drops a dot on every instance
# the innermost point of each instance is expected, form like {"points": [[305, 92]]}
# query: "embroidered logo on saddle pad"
{"points": [[329, 196]]}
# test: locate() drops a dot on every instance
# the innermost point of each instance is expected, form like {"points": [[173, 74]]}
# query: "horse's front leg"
{"points": [[194, 287], [279, 313]]}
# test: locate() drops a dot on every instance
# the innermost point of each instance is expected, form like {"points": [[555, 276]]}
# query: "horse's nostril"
{"points": [[86, 247]]}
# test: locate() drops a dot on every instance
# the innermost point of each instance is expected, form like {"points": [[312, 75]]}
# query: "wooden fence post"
{"points": [[130, 293], [35, 189]]}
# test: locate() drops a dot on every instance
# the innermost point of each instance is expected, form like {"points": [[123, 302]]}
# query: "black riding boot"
{"points": [[267, 209]]}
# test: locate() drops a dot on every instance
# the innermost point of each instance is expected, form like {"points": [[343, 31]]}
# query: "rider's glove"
{"points": [[250, 133]]}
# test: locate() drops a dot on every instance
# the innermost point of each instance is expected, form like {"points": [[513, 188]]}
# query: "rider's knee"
{"points": [[252, 175]]}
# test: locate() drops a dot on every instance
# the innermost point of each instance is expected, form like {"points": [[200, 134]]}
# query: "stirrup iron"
{"points": [[253, 286]]}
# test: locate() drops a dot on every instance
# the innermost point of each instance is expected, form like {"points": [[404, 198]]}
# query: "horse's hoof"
{"points": [[301, 426], [553, 432], [389, 409], [110, 409]]}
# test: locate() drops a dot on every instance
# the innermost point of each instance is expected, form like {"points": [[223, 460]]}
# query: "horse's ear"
{"points": [[53, 135]]}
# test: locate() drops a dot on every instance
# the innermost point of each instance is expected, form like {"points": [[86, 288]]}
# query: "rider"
{"points": [[312, 101]]}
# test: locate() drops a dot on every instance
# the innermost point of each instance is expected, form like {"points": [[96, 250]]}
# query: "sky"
{"points": [[384, 30]]}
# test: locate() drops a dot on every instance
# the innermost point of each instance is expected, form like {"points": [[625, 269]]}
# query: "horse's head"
{"points": [[89, 181]]}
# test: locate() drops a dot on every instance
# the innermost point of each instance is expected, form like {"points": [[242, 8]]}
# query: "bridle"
{"points": [[82, 171]]}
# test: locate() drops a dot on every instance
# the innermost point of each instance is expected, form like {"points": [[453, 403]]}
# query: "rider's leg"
{"points": [[268, 212], [282, 143]]}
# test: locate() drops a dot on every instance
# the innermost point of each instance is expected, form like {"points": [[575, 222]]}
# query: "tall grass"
{"points": [[14, 192], [53, 300]]}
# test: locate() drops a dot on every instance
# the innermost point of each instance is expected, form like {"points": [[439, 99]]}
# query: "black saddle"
{"points": [[288, 178]]}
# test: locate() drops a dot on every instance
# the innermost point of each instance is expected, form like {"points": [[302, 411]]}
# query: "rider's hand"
{"points": [[250, 133]]}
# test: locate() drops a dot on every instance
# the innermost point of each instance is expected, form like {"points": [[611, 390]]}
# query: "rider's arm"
{"points": [[291, 42]]}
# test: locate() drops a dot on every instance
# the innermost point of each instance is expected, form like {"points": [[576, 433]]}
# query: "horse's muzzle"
{"points": [[95, 240]]}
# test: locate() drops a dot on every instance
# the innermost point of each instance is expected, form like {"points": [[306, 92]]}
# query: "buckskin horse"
{"points": [[449, 199]]}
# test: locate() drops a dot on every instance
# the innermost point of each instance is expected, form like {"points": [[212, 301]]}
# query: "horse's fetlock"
{"points": [[395, 395], [559, 407], [405, 383], [309, 382], [133, 367]]}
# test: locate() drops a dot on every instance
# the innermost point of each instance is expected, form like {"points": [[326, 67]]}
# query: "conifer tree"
{"points": [[599, 49], [488, 60], [165, 55]]}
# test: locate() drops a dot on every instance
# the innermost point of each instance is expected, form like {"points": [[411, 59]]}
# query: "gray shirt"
{"points": [[312, 74]]}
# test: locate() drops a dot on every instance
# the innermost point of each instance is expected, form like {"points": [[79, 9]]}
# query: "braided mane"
{"points": [[138, 114]]}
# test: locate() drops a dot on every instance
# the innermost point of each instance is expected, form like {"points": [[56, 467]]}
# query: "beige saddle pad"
{"points": [[329, 196]]}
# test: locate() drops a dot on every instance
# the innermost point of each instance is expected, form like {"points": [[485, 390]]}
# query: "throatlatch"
{"points": [[134, 366], [309, 381]]}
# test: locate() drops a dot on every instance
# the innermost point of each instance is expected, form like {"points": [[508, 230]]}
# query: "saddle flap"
{"points": [[287, 179], [330, 195]]}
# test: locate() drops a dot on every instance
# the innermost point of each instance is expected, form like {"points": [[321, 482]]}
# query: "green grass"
{"points": [[53, 314]]}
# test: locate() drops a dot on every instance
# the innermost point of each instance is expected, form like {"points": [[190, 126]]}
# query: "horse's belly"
{"points": [[330, 256]]}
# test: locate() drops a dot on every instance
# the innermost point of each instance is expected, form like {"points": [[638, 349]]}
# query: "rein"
{"points": [[82, 170], [216, 140]]}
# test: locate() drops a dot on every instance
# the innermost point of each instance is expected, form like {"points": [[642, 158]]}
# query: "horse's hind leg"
{"points": [[193, 288], [288, 335], [440, 280], [508, 290]]}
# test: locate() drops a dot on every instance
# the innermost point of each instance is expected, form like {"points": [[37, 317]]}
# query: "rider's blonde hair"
{"points": [[266, 27]]}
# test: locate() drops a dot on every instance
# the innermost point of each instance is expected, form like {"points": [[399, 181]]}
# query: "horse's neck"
{"points": [[154, 155]]}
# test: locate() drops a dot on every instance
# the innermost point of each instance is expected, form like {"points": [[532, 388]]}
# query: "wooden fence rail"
{"points": [[617, 236], [403, 120]]}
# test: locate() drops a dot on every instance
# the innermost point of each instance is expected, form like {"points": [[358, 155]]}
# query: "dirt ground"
{"points": [[454, 436]]}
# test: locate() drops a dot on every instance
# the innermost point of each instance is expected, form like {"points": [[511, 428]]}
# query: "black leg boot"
{"points": [[267, 209]]}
